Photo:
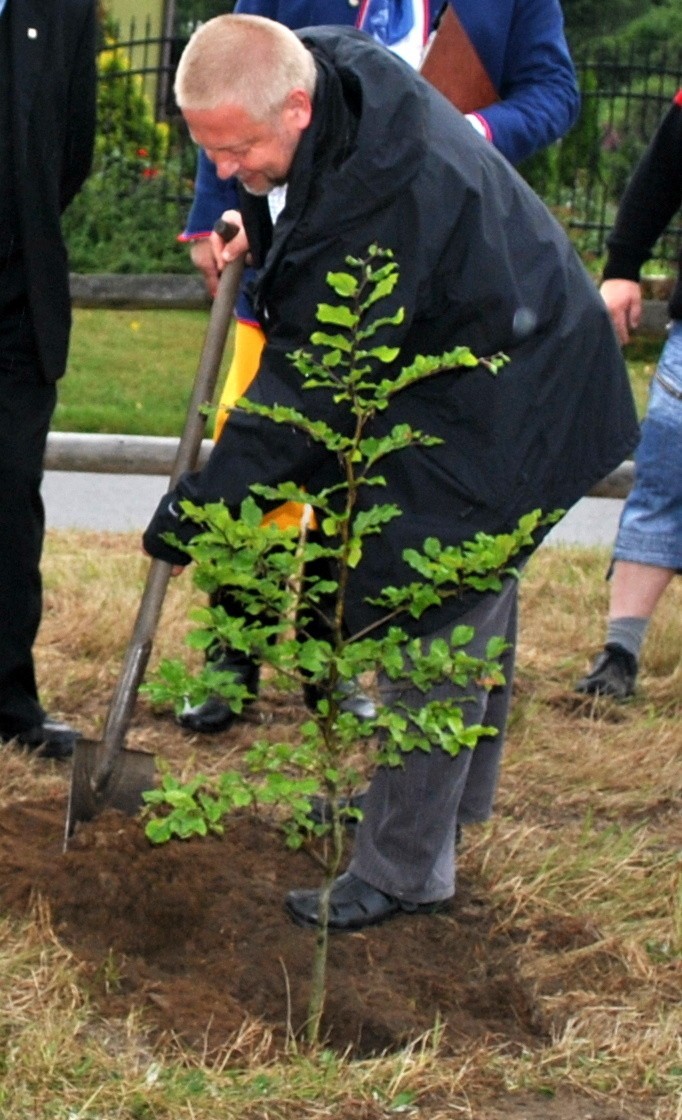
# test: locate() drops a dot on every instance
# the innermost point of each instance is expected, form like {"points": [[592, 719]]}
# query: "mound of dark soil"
{"points": [[194, 934]]}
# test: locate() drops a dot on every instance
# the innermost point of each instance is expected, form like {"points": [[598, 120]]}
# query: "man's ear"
{"points": [[298, 109]]}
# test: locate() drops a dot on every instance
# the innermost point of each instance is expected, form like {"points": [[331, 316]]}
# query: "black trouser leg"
{"points": [[26, 405]]}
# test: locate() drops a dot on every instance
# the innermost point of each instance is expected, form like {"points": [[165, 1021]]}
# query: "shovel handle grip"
{"points": [[226, 230]]}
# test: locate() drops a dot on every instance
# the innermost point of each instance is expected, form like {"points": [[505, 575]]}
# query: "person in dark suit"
{"points": [[47, 128]]}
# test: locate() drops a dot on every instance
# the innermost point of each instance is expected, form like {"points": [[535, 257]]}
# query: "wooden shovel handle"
{"points": [[149, 611]]}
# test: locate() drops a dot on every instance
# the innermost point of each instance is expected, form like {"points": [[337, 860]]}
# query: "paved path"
{"points": [[116, 503]]}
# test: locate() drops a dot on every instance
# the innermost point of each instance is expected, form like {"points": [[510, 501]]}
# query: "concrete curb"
{"points": [[115, 454]]}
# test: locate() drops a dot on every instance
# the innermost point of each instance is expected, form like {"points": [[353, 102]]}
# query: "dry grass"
{"points": [[582, 861]]}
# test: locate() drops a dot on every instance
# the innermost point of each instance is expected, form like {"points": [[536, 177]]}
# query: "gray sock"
{"points": [[628, 633]]}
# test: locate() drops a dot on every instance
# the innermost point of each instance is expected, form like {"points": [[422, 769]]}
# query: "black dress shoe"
{"points": [[355, 700], [49, 739], [215, 714], [209, 718], [353, 905]]}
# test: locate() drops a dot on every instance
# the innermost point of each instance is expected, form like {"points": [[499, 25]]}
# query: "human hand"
{"points": [[623, 299], [201, 255], [236, 246]]}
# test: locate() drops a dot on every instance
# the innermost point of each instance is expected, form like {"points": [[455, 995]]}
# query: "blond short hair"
{"points": [[242, 60]]}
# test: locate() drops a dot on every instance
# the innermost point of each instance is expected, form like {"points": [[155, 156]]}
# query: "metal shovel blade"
{"points": [[132, 773]]}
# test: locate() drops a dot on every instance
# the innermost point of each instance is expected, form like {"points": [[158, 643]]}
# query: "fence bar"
{"points": [[171, 291], [114, 454], [155, 455], [143, 291]]}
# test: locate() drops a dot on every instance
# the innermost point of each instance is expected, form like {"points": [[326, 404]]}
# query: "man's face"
{"points": [[259, 153]]}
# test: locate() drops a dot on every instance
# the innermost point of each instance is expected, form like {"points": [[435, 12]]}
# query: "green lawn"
{"points": [[132, 371]]}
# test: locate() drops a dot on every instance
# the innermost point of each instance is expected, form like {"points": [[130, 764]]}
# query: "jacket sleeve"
{"points": [[539, 95], [81, 114], [651, 198], [251, 449]]}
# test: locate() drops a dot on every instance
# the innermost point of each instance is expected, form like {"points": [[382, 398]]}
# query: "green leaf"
{"points": [[319, 338], [385, 353], [338, 314], [342, 283], [354, 552], [158, 830]]}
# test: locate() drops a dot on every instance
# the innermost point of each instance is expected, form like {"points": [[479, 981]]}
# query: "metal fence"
{"points": [[624, 95]]}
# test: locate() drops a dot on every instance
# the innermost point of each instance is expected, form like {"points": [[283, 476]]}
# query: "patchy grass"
{"points": [[582, 863]]}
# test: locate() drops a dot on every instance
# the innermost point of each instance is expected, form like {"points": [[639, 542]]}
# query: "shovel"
{"points": [[106, 774]]}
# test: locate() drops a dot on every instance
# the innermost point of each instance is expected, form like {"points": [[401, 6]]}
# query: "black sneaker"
{"points": [[613, 674]]}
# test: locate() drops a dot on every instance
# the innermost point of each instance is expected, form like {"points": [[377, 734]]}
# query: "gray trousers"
{"points": [[405, 843]]}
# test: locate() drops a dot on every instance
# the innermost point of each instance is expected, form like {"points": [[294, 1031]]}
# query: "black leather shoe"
{"points": [[209, 718], [353, 905], [355, 700], [215, 714], [49, 739]]}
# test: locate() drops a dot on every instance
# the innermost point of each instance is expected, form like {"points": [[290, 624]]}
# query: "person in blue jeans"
{"points": [[648, 547], [524, 51]]}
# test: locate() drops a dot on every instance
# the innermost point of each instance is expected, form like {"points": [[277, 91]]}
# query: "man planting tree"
{"points": [[523, 95], [366, 152]]}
